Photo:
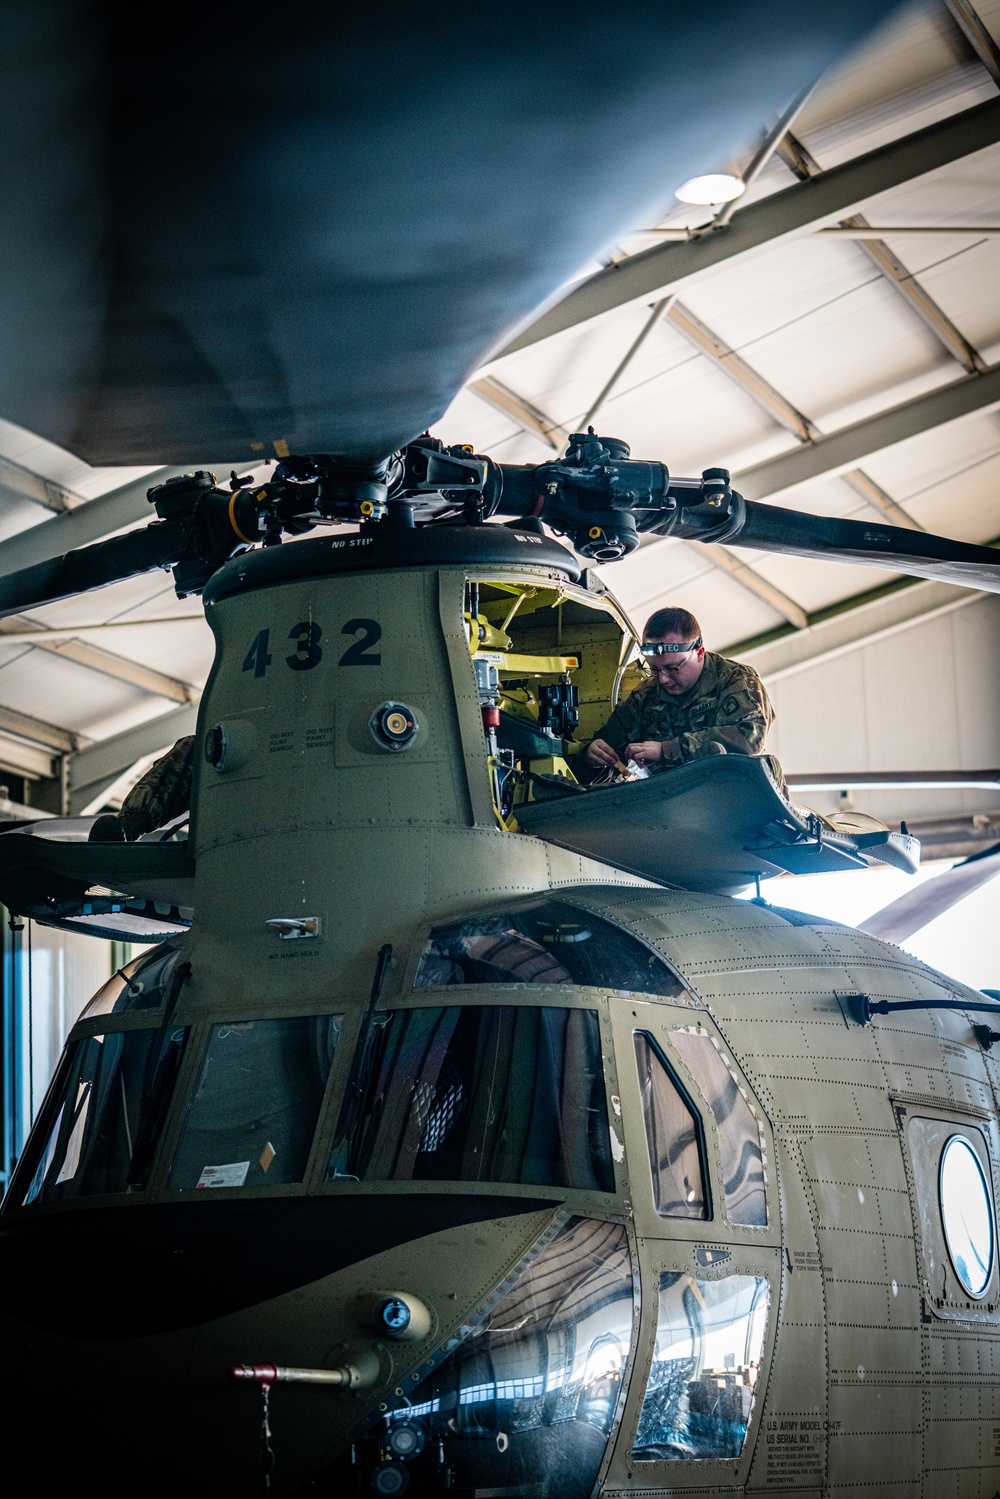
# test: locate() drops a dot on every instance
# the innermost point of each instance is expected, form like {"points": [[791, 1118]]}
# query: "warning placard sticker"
{"points": [[795, 1449], [232, 1175]]}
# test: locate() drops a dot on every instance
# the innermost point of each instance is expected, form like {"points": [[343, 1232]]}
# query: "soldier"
{"points": [[162, 794], [696, 704]]}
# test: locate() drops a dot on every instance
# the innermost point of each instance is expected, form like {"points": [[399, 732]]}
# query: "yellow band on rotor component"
{"points": [[232, 518], [512, 661]]}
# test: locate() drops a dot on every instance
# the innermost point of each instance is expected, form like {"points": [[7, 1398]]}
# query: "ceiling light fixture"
{"points": [[716, 187]]}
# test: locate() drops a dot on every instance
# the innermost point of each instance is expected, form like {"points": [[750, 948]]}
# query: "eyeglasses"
{"points": [[655, 648]]}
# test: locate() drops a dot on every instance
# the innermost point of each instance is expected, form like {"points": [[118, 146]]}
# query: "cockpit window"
{"points": [[549, 942], [104, 1114], [738, 1130], [253, 1116], [524, 1401], [673, 1134], [709, 1340], [497, 1093], [140, 985]]}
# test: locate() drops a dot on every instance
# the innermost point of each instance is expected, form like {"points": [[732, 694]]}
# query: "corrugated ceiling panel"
{"points": [[62, 692], [674, 573], [948, 478]]}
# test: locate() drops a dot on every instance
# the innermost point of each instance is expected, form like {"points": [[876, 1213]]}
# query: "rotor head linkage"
{"points": [[596, 495]]}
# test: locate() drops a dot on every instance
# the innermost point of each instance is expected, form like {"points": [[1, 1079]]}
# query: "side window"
{"points": [[254, 1112], [967, 1215], [955, 1217], [740, 1145], [709, 1340], [674, 1136]]}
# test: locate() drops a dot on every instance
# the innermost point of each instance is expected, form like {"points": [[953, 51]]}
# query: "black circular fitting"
{"points": [[394, 726], [392, 1315], [389, 1478], [405, 1439], [215, 745]]}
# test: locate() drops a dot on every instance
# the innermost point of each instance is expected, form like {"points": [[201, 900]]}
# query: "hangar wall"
{"points": [[48, 977], [910, 683], [65, 972]]}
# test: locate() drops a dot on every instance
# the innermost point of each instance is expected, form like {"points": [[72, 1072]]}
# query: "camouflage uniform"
{"points": [[726, 695], [162, 794]]}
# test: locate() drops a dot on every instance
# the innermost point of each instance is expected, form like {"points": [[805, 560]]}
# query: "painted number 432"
{"points": [[306, 649]]}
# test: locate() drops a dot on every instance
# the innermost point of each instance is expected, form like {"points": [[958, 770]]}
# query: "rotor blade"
{"points": [[767, 528], [917, 908], [313, 257], [157, 545]]}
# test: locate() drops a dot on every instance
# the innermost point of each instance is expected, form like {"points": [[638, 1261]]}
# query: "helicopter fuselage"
{"points": [[583, 1183]]}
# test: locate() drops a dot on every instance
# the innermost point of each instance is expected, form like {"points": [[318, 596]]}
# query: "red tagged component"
{"points": [[259, 1373]]}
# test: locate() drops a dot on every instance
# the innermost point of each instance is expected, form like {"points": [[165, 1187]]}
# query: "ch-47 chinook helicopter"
{"points": [[470, 1124]]}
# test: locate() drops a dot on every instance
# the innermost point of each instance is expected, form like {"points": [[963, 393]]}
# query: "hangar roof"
{"points": [[769, 345]]}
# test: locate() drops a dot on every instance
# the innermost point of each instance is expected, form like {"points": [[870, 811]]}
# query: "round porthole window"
{"points": [[967, 1214]]}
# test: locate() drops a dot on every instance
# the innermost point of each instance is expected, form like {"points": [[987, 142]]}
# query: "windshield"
{"points": [[253, 1115], [548, 942], [494, 1093], [105, 1111], [523, 1398]]}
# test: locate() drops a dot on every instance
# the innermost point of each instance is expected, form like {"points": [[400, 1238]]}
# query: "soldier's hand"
{"points": [[599, 753], [645, 753]]}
